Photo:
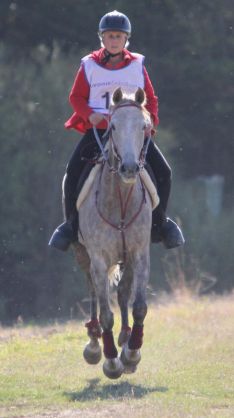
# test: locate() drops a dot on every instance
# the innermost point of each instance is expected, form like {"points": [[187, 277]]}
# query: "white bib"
{"points": [[103, 82]]}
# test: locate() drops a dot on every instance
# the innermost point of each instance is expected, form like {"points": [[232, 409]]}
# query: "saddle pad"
{"points": [[149, 185], [87, 185]]}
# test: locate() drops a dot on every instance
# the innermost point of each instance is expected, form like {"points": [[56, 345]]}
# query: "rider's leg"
{"points": [[163, 228], [67, 232]]}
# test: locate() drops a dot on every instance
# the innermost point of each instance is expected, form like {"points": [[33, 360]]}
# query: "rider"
{"points": [[100, 73]]}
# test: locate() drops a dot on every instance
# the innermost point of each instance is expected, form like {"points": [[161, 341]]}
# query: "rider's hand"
{"points": [[95, 118]]}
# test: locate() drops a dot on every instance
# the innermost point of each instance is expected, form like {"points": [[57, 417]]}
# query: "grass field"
{"points": [[187, 367]]}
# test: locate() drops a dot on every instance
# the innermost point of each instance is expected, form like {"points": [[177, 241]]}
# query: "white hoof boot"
{"points": [[130, 359], [113, 368], [92, 352]]}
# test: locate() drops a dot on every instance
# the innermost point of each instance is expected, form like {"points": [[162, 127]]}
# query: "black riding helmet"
{"points": [[115, 21]]}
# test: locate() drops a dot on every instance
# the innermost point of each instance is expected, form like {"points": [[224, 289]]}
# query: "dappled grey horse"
{"points": [[115, 225]]}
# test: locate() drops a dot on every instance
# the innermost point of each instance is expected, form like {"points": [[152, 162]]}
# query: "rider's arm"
{"points": [[79, 95], [152, 99]]}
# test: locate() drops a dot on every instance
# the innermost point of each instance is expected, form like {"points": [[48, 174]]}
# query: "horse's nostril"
{"points": [[135, 168], [130, 169], [123, 168]]}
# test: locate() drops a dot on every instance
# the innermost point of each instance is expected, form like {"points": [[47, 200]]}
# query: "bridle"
{"points": [[123, 225], [108, 136]]}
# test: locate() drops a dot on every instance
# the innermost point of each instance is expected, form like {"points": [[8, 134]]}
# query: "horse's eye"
{"points": [[144, 127], [113, 127]]}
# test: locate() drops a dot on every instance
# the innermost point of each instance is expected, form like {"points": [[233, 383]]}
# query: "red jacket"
{"points": [[80, 94]]}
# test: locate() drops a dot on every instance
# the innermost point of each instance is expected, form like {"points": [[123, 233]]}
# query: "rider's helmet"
{"points": [[115, 21]]}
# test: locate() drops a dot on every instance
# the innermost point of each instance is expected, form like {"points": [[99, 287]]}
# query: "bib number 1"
{"points": [[106, 96]]}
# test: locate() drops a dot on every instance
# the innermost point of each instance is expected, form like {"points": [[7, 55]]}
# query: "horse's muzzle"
{"points": [[129, 171]]}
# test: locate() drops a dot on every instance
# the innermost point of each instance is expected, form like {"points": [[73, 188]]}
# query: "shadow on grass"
{"points": [[116, 391]]}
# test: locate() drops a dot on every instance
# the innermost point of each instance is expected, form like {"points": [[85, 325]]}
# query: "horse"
{"points": [[114, 237]]}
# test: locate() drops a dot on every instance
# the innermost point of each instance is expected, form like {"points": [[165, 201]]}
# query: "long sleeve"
{"points": [[79, 98], [79, 95], [152, 99]]}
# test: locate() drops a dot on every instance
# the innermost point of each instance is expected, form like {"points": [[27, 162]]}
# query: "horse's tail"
{"points": [[114, 275]]}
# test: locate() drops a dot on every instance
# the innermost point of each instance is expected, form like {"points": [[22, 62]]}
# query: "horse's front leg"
{"points": [[131, 355], [92, 352], [124, 293], [112, 367]]}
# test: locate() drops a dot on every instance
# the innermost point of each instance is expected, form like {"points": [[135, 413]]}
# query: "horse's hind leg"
{"points": [[112, 366], [92, 352], [124, 292], [131, 351]]}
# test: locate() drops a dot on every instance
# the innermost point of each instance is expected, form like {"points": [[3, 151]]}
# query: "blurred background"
{"points": [[189, 49]]}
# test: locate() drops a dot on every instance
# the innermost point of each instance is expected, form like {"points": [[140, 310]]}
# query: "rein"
{"points": [[99, 142]]}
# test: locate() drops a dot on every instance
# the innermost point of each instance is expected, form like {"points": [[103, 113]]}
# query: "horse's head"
{"points": [[128, 124]]}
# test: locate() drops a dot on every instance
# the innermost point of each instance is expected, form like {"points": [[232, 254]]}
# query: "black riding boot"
{"points": [[66, 233], [163, 229]]}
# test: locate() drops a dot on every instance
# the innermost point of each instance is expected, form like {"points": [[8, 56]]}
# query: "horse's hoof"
{"points": [[92, 352], [130, 359], [129, 369], [113, 368]]}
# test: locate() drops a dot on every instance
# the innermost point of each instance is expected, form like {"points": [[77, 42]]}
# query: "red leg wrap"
{"points": [[94, 328], [136, 340], [110, 350], [127, 329]]}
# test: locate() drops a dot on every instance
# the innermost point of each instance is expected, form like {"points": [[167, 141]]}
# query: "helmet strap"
{"points": [[108, 55]]}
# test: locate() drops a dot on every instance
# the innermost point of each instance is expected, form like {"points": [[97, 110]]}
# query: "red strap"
{"points": [[136, 340], [109, 348], [94, 328]]}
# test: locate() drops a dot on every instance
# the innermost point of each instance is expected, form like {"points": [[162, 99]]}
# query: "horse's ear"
{"points": [[140, 96], [117, 95]]}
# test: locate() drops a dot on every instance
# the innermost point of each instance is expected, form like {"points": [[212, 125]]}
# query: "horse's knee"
{"points": [[139, 312]]}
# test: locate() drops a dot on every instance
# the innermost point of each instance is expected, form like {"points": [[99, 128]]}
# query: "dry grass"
{"points": [[187, 367]]}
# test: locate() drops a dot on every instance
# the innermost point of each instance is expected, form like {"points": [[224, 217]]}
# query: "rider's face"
{"points": [[114, 42]]}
